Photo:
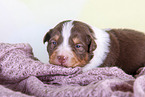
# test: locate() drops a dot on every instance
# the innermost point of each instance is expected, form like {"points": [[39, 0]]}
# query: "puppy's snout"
{"points": [[62, 59]]}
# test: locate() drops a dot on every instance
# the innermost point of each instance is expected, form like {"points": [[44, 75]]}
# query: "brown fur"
{"points": [[86, 37], [127, 47], [80, 34], [127, 50]]}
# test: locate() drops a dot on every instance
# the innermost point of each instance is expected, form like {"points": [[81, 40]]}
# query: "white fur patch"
{"points": [[64, 48], [100, 53]]}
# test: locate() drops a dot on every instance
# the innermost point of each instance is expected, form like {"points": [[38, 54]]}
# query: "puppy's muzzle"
{"points": [[62, 59]]}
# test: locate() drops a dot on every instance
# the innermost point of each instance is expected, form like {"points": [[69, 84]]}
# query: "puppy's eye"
{"points": [[52, 44], [80, 48], [77, 46]]}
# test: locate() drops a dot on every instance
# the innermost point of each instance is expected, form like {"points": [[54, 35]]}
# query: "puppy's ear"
{"points": [[47, 36], [93, 45]]}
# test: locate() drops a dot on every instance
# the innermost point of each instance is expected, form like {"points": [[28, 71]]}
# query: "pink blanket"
{"points": [[22, 75]]}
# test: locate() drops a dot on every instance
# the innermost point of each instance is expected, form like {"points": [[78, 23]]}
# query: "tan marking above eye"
{"points": [[56, 37], [76, 40]]}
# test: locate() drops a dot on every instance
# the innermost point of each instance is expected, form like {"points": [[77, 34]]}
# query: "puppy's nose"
{"points": [[62, 59]]}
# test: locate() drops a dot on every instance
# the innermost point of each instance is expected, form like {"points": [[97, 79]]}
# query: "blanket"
{"points": [[23, 75]]}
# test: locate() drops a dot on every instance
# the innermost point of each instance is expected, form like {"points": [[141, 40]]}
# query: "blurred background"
{"points": [[27, 21]]}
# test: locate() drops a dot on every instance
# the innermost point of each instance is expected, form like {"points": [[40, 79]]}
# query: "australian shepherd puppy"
{"points": [[74, 43]]}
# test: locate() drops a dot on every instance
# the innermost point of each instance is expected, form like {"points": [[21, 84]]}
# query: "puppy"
{"points": [[74, 43]]}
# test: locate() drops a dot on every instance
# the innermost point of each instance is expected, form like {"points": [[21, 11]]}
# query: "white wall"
{"points": [[115, 14], [27, 21]]}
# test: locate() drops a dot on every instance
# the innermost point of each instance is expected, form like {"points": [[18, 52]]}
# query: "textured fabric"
{"points": [[22, 75]]}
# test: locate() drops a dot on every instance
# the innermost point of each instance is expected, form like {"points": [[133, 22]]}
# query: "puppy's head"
{"points": [[70, 44]]}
